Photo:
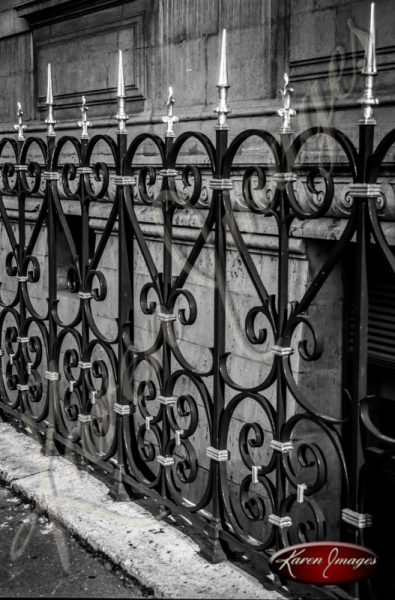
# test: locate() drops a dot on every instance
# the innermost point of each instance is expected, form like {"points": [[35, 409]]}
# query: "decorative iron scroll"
{"points": [[249, 463]]}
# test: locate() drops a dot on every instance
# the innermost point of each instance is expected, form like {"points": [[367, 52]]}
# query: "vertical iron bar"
{"points": [[21, 257], [282, 314], [125, 317], [84, 270], [360, 351], [359, 381], [213, 550], [168, 213], [50, 448], [125, 291]]}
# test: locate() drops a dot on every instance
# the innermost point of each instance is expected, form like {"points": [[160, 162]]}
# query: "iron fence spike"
{"points": [[50, 121], [49, 86], [121, 116], [368, 100], [121, 81], [222, 109], [370, 67], [223, 67]]}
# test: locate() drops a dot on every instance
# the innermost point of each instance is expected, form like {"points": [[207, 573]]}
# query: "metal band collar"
{"points": [[168, 173], [218, 455], [365, 190], [280, 522], [52, 375], [84, 171], [84, 418], [284, 177], [281, 351], [221, 184], [22, 388], [85, 295], [358, 520], [166, 400], [282, 447], [84, 365], [121, 409], [51, 176], [166, 317], [122, 180], [165, 461]]}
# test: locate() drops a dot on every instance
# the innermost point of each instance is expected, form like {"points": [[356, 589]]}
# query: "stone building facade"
{"points": [[176, 42]]}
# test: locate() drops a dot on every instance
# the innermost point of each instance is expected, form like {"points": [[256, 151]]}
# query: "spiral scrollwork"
{"points": [[256, 175], [190, 198], [101, 176], [248, 509], [184, 317], [146, 181], [8, 174], [321, 199], [31, 180], [69, 174]]}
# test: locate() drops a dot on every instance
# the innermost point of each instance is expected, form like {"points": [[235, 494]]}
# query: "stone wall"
{"points": [[176, 42]]}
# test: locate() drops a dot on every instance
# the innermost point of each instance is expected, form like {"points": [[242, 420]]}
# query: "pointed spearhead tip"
{"points": [[121, 82], [223, 69], [49, 86], [370, 67]]}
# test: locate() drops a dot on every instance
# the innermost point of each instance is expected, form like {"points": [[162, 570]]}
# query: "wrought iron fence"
{"points": [[158, 424]]}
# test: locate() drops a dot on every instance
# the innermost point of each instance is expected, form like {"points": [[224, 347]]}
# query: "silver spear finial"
{"points": [[369, 71], [121, 116], [50, 121], [222, 109]]}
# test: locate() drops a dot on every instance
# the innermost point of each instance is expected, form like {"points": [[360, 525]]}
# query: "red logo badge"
{"points": [[323, 563]]}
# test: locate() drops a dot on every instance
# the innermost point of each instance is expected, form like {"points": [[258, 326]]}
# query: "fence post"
{"points": [[125, 291], [281, 349], [52, 375], [168, 208], [212, 549], [361, 191], [21, 248]]}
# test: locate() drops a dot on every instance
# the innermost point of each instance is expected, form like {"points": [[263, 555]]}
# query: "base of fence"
{"points": [[117, 490], [212, 549], [49, 448]]}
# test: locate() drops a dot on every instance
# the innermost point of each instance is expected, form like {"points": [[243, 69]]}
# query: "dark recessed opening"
{"points": [[64, 254]]}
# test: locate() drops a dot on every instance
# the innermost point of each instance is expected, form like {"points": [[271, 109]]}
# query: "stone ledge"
{"points": [[82, 505]]}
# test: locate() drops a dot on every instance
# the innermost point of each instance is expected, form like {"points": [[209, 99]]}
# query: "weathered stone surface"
{"points": [[147, 548]]}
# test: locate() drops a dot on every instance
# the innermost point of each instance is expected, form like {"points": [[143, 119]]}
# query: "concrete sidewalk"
{"points": [[158, 555]]}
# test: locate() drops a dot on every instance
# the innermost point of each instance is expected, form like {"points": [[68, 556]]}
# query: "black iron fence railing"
{"points": [[233, 428]]}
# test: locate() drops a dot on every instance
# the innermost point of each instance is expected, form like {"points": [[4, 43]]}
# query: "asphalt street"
{"points": [[38, 558]]}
